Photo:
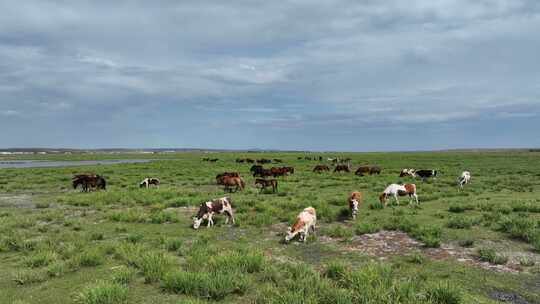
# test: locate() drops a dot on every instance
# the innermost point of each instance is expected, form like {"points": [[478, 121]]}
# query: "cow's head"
{"points": [[382, 198], [197, 222], [354, 207], [290, 235]]}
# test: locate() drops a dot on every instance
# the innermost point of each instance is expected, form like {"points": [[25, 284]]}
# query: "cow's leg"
{"points": [[210, 221], [416, 198], [396, 197]]}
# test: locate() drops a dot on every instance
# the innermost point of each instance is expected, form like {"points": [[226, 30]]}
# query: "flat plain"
{"points": [[133, 245]]}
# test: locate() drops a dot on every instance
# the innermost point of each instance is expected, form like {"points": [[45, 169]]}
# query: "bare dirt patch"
{"points": [[385, 244], [16, 201]]}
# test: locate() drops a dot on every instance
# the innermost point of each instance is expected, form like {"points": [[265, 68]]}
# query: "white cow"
{"points": [[305, 221], [464, 179]]}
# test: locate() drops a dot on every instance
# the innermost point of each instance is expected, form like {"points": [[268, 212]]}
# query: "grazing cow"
{"points": [[88, 182], [229, 182], [213, 160], [219, 177], [464, 179], [340, 168], [267, 183], [407, 172], [249, 161], [425, 174], [149, 181], [355, 199], [208, 209], [277, 160], [264, 161], [396, 190], [305, 221], [321, 168]]}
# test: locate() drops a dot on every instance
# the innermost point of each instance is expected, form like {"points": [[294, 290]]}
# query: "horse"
{"points": [[340, 168], [220, 177], [321, 168], [267, 183], [88, 182], [229, 181]]}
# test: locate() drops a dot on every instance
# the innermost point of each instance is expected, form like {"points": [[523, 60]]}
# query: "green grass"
{"points": [[131, 245]]}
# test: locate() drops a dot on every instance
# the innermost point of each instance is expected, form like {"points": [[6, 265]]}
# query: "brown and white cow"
{"points": [[208, 209], [407, 172], [355, 199], [305, 221], [396, 190]]}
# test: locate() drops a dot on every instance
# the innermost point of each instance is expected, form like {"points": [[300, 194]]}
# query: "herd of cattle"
{"points": [[306, 220]]}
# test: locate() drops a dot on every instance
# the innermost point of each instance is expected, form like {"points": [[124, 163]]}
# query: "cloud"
{"points": [[264, 66]]}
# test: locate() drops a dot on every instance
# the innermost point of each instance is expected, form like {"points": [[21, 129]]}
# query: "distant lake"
{"points": [[47, 164]]}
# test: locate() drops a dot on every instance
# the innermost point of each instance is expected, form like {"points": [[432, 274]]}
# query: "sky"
{"points": [[294, 75]]}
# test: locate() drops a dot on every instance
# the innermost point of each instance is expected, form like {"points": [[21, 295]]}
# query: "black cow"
{"points": [[425, 174]]}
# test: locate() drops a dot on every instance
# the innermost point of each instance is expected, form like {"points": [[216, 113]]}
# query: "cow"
{"points": [[277, 160], [289, 170], [208, 209], [240, 160], [396, 190], [213, 160], [264, 161], [355, 199], [147, 182], [464, 179], [249, 161], [267, 183], [321, 168], [425, 174], [340, 168], [407, 172], [305, 221]]}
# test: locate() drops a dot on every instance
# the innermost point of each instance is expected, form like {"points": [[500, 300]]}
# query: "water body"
{"points": [[49, 164]]}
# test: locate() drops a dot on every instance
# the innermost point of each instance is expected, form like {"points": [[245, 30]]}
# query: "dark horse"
{"points": [[88, 182]]}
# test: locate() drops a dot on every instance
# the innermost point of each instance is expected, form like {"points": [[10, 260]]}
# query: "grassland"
{"points": [[131, 245]]}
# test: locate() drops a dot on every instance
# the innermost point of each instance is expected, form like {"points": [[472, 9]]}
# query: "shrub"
{"points": [[339, 232], [459, 222], [519, 228], [214, 286], [134, 237], [42, 205], [96, 236], [491, 256], [416, 258], [163, 217], [365, 228], [103, 293], [25, 277], [123, 275], [41, 258], [173, 244], [335, 271], [376, 206], [56, 269], [444, 293], [90, 258], [466, 243], [153, 266], [459, 208]]}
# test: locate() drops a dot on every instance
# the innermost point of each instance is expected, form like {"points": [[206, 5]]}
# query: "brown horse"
{"points": [[267, 183], [340, 168], [321, 168], [228, 182], [220, 177], [89, 181]]}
